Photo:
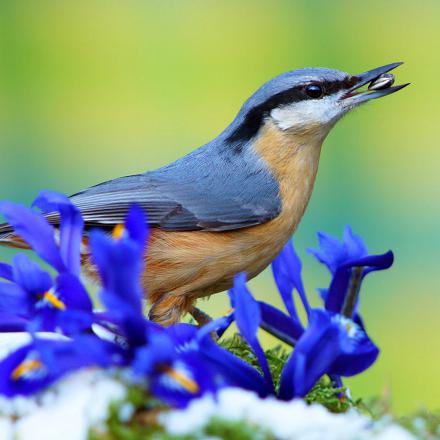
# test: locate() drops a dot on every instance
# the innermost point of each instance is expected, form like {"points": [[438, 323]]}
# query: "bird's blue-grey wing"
{"points": [[212, 189], [176, 204]]}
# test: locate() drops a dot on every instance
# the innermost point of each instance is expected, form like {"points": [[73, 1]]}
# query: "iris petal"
{"points": [[73, 293], [332, 344], [279, 324], [13, 300], [30, 276], [248, 318], [6, 271], [341, 279], [12, 323], [120, 265], [286, 270], [137, 225], [51, 360], [71, 227], [233, 370], [34, 229], [314, 354], [333, 253]]}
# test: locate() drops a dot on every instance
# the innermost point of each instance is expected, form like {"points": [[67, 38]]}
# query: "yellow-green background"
{"points": [[91, 90]]}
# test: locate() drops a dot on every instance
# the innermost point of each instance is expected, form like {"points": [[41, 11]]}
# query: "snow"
{"points": [[286, 420], [67, 410], [70, 408]]}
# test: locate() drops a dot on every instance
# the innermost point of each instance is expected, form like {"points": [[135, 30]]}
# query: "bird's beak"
{"points": [[354, 96]]}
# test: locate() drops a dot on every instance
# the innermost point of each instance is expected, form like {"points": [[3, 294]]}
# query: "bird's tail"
{"points": [[10, 239]]}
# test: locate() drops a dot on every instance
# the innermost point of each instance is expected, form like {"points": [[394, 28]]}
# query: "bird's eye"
{"points": [[314, 91]]}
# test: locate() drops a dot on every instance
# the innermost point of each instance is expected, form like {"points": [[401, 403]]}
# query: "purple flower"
{"points": [[332, 344], [181, 362], [286, 269], [31, 299], [35, 230], [280, 325], [176, 372], [335, 342], [248, 318], [334, 253], [120, 260], [39, 364], [232, 370], [347, 260]]}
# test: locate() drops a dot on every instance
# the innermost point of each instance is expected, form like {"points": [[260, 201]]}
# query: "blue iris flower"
{"points": [[40, 303], [30, 298], [39, 364], [335, 341], [120, 259], [181, 362], [248, 318], [286, 269], [332, 344], [175, 370], [35, 230], [163, 357], [178, 363], [349, 262]]}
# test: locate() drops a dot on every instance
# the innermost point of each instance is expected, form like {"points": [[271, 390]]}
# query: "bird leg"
{"points": [[200, 316], [169, 308]]}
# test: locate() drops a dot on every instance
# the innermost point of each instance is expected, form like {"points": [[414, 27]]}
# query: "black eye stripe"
{"points": [[255, 116]]}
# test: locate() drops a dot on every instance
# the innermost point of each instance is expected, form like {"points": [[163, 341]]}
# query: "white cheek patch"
{"points": [[310, 112]]}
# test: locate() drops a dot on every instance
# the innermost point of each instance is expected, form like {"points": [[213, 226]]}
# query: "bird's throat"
{"points": [[293, 160]]}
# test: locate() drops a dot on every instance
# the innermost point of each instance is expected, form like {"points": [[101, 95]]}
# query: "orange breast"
{"points": [[201, 263]]}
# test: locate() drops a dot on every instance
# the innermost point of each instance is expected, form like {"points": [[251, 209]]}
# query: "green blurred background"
{"points": [[91, 90]]}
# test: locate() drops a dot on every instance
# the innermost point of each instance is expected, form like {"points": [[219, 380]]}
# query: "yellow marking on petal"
{"points": [[52, 299], [183, 380], [228, 312], [118, 231], [25, 367]]}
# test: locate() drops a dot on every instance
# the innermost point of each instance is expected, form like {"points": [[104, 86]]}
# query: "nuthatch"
{"points": [[231, 205]]}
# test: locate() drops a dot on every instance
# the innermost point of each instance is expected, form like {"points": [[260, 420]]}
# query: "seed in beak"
{"points": [[382, 82]]}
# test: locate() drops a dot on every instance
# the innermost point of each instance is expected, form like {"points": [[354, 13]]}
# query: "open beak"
{"points": [[355, 96]]}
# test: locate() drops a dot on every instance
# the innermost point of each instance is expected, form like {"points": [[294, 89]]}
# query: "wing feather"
{"points": [[180, 201], [171, 205]]}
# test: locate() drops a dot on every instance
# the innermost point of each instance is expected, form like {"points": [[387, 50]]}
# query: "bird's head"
{"points": [[309, 101]]}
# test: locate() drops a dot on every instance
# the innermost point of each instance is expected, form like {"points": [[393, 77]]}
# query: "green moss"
{"points": [[140, 426], [276, 356], [334, 399], [323, 392], [235, 431]]}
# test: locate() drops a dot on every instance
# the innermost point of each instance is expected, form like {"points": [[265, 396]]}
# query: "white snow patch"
{"points": [[66, 411], [286, 420], [9, 342]]}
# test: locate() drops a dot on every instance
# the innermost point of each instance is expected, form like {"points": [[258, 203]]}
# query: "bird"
{"points": [[231, 205]]}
